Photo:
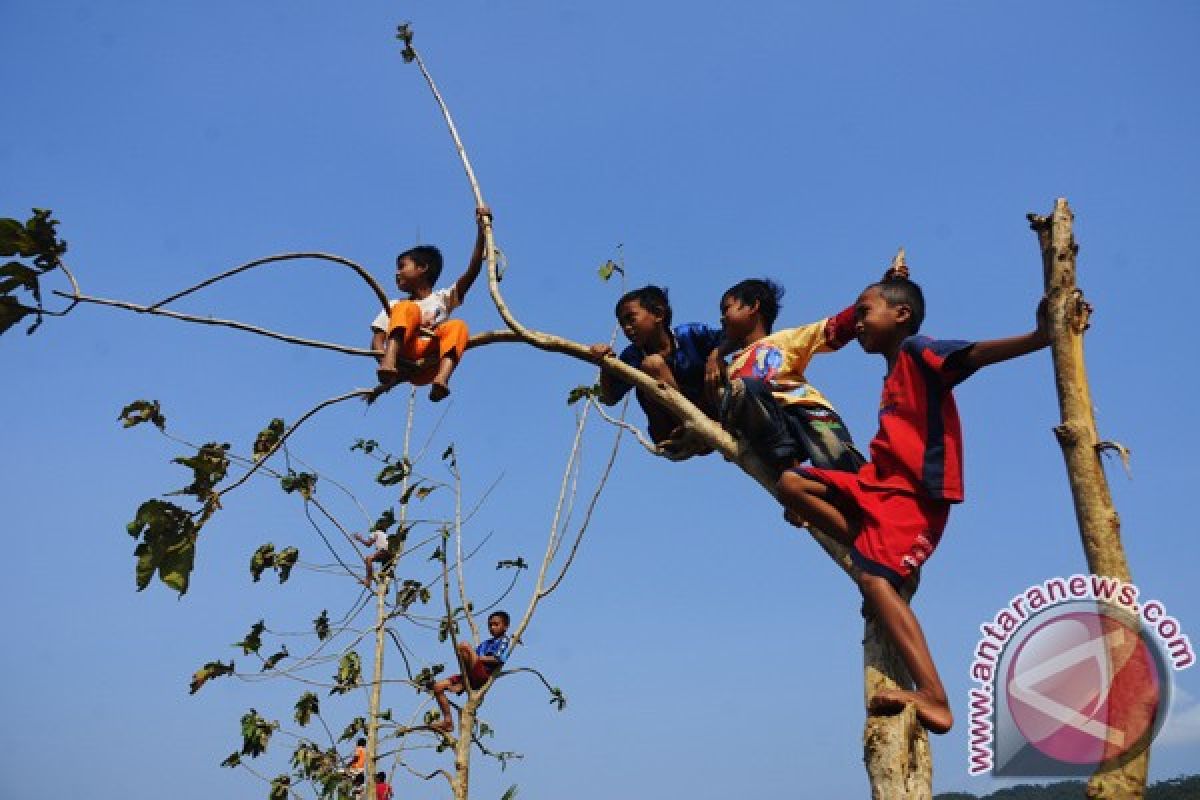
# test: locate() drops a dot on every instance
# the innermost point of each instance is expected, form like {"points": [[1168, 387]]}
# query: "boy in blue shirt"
{"points": [[478, 665], [674, 356]]}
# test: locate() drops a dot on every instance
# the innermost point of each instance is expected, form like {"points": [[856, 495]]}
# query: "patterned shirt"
{"points": [[780, 358], [496, 647], [919, 444]]}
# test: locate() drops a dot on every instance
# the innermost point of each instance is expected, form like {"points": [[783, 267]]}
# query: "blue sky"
{"points": [[705, 647]]}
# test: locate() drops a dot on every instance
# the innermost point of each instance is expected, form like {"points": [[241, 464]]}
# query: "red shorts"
{"points": [[899, 530], [479, 675]]}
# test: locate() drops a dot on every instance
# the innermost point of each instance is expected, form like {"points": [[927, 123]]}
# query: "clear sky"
{"points": [[706, 649]]}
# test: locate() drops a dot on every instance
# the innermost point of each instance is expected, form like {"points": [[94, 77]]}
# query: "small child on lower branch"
{"points": [[478, 665], [418, 330], [892, 512]]}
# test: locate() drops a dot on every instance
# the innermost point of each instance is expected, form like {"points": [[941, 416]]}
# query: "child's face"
{"points": [[877, 324], [497, 626], [639, 324], [737, 318], [409, 275]]}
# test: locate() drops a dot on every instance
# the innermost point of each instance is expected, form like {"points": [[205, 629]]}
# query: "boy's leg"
{"points": [[453, 684], [902, 627], [823, 439], [451, 337], [749, 409], [404, 324], [659, 421], [807, 500]]}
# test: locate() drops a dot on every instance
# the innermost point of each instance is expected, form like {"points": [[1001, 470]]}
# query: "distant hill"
{"points": [[1181, 788]]}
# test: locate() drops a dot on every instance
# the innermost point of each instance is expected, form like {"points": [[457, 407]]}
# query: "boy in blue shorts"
{"points": [[674, 356], [891, 512]]}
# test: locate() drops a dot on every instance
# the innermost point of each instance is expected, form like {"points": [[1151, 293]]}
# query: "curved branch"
{"points": [[275, 448], [226, 323], [258, 262]]}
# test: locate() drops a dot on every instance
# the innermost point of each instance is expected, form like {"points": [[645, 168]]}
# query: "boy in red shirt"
{"points": [[891, 513]]}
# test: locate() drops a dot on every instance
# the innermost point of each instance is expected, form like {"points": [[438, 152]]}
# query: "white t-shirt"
{"points": [[379, 540], [435, 309]]}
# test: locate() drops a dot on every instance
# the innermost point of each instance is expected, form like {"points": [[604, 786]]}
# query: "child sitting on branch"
{"points": [[478, 665], [420, 344], [763, 396], [891, 512], [675, 357]]}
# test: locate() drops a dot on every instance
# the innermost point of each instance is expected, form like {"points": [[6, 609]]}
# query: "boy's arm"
{"points": [[610, 391], [982, 354], [378, 340], [464, 283]]}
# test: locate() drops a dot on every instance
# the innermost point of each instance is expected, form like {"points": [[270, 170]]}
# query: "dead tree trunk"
{"points": [[1099, 525]]}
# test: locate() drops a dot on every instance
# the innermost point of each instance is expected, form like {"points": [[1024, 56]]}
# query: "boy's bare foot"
{"points": [[443, 725], [387, 376], [794, 518], [438, 391], [935, 716]]}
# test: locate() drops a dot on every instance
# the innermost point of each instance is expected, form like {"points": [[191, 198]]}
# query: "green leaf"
{"points": [[11, 312], [426, 677], [232, 760], [368, 446], [274, 659], [581, 392], [303, 482], [140, 411], [263, 558], [253, 640], [268, 438], [18, 276], [557, 698], [510, 793], [394, 472], [408, 493], [306, 706], [411, 591], [168, 545], [284, 561], [208, 467], [358, 725], [213, 669], [321, 626], [448, 454], [349, 674], [607, 269], [256, 733], [280, 788], [512, 563], [13, 239]]}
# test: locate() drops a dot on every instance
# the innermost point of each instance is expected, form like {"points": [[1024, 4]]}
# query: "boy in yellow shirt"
{"points": [[763, 394]]}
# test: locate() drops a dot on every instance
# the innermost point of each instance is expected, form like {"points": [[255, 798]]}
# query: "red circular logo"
{"points": [[1085, 687]]}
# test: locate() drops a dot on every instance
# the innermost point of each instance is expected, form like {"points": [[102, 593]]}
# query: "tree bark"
{"points": [[1099, 525]]}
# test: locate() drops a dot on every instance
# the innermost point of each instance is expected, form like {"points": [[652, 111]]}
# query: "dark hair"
{"points": [[767, 293], [427, 256], [902, 291], [380, 777], [362, 742], [502, 615], [652, 298]]}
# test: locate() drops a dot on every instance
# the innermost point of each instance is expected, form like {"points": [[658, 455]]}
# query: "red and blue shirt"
{"points": [[919, 444]]}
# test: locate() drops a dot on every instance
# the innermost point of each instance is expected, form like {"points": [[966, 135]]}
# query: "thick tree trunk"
{"points": [[1099, 525]]}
